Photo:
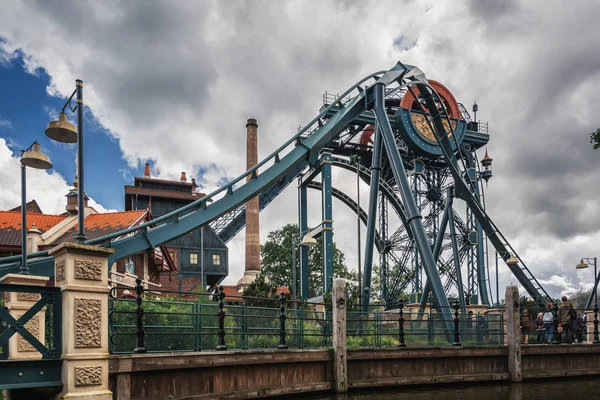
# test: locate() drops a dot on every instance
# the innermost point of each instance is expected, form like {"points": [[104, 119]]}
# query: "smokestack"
{"points": [[252, 266], [147, 171], [183, 177]]}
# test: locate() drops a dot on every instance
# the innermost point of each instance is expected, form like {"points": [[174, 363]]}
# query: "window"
{"points": [[216, 259], [194, 258], [130, 266]]}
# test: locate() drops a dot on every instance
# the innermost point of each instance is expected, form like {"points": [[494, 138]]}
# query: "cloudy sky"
{"points": [[173, 82]]}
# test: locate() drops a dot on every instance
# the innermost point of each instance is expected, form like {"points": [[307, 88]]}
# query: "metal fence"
{"points": [[162, 321], [377, 328], [27, 324]]}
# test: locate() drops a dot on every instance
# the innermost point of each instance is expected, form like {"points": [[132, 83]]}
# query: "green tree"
{"points": [[276, 261], [595, 138], [263, 289]]}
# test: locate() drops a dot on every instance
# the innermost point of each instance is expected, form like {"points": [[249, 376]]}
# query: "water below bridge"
{"points": [[573, 388]]}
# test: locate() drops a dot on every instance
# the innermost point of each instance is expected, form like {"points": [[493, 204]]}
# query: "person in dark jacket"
{"points": [[566, 313], [526, 324]]}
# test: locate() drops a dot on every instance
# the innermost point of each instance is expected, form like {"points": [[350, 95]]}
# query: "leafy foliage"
{"points": [[595, 138], [263, 289], [276, 263]]}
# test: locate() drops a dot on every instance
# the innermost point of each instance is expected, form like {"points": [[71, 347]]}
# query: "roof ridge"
{"points": [[118, 212], [30, 213]]}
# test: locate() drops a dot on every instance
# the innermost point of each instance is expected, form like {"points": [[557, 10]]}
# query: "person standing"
{"points": [[540, 328], [566, 314], [526, 324], [548, 318]]}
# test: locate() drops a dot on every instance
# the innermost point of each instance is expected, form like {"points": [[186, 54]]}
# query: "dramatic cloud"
{"points": [[174, 81]]}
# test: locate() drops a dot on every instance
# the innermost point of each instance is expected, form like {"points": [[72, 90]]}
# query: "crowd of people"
{"points": [[564, 326]]}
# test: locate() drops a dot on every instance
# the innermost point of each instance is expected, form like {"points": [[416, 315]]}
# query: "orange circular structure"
{"points": [[409, 101]]}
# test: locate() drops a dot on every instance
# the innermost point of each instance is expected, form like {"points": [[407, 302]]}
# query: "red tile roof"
{"points": [[97, 225], [10, 225]]}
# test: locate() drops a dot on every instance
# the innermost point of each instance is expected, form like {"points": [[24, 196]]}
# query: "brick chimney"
{"points": [[183, 177], [252, 265], [147, 171]]}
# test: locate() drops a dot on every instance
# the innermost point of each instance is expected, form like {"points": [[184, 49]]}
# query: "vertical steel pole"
{"points": [[80, 182], [303, 221], [202, 258], [360, 280], [294, 283], [497, 283], [327, 220], [595, 280], [24, 269], [372, 216]]}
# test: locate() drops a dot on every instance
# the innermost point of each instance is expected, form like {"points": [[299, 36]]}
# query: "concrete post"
{"points": [[340, 363], [81, 271], [18, 304], [513, 319]]}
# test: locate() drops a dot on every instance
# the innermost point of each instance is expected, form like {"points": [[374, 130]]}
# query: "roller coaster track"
{"points": [[300, 151]]}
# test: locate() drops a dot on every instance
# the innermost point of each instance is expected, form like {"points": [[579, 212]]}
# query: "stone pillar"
{"points": [[81, 271], [252, 260], [17, 305], [513, 319], [340, 362]]}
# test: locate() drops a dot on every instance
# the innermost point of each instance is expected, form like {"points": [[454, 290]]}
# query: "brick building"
{"points": [[200, 256]]}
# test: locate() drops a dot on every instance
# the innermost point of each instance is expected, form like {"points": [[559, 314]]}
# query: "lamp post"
{"points": [[63, 131], [31, 157], [582, 265], [307, 240]]}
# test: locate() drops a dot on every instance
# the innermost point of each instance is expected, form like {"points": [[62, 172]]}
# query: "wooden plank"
{"points": [[123, 387], [425, 379], [255, 394], [148, 362], [435, 352]]}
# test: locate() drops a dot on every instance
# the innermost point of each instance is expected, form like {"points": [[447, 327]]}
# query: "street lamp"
{"points": [[63, 131], [307, 240], [582, 265], [31, 157]]}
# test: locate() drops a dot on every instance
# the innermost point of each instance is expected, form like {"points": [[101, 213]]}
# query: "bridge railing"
{"points": [[391, 328], [207, 322], [40, 311]]}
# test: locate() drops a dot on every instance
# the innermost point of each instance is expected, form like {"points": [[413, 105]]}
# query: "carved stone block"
{"points": [[88, 323], [60, 271], [88, 376], [88, 269], [28, 296], [33, 326]]}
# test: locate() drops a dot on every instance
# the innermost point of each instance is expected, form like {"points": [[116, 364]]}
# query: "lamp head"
{"points": [[581, 265], [35, 158], [62, 130], [308, 240], [512, 260]]}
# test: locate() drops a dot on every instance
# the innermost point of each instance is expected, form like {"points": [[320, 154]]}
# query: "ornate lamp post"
{"points": [[31, 157], [63, 131], [582, 265]]}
